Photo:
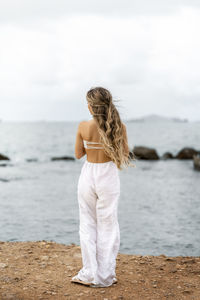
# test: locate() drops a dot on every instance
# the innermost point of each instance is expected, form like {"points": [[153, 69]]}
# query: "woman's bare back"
{"points": [[89, 132]]}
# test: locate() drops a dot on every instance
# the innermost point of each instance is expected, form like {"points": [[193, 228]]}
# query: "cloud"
{"points": [[23, 11], [150, 62]]}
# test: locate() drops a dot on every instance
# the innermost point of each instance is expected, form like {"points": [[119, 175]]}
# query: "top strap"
{"points": [[91, 147]]}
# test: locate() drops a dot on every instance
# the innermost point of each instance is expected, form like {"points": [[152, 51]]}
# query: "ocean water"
{"points": [[159, 205]]}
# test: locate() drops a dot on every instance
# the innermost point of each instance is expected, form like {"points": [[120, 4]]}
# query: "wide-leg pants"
{"points": [[99, 232]]}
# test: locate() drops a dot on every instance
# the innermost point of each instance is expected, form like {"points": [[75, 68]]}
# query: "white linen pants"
{"points": [[99, 232]]}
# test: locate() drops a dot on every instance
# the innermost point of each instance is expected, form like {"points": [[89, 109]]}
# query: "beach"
{"points": [[43, 270]]}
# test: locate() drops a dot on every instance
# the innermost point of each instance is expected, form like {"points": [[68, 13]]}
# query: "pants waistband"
{"points": [[91, 163]]}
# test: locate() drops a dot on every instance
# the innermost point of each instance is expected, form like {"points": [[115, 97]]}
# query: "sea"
{"points": [[159, 204]]}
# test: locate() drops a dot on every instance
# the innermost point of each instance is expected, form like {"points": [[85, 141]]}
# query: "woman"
{"points": [[104, 140]]}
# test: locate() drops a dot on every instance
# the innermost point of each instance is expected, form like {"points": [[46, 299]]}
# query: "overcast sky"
{"points": [[147, 53]]}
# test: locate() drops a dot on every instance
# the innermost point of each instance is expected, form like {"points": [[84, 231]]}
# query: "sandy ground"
{"points": [[43, 270]]}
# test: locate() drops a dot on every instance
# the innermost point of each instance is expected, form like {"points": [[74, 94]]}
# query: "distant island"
{"points": [[157, 118]]}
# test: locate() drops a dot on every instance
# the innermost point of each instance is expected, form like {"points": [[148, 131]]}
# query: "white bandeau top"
{"points": [[91, 147]]}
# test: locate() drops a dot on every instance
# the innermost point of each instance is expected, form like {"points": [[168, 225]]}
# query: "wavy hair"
{"points": [[109, 126]]}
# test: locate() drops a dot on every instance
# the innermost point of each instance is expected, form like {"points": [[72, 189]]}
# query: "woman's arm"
{"points": [[79, 147], [126, 147]]}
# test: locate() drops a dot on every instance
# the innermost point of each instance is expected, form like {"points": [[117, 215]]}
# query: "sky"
{"points": [[145, 52]]}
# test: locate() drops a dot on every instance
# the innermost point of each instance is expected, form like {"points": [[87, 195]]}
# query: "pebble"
{"points": [[134, 281], [2, 265], [187, 291], [6, 279], [46, 281], [42, 243], [44, 257], [78, 255], [169, 259], [70, 268], [173, 271], [189, 261], [162, 255]]}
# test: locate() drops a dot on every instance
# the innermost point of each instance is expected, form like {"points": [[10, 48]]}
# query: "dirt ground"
{"points": [[43, 270]]}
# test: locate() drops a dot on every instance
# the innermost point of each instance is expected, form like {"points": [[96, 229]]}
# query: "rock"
{"points": [[78, 255], [187, 292], [63, 158], [4, 180], [196, 162], [186, 153], [3, 157], [145, 153], [170, 259], [167, 155], [70, 268], [189, 261], [134, 281], [44, 257], [2, 265], [31, 159], [131, 155], [9, 297], [6, 279]]}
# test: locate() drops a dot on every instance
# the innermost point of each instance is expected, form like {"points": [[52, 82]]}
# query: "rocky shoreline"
{"points": [[140, 152], [43, 270]]}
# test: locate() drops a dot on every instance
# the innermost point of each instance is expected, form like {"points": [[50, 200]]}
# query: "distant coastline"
{"points": [[157, 118], [144, 118]]}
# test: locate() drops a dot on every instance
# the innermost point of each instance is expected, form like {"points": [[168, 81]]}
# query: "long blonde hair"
{"points": [[109, 126]]}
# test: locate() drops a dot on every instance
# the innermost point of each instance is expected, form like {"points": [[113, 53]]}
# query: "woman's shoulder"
{"points": [[86, 122]]}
